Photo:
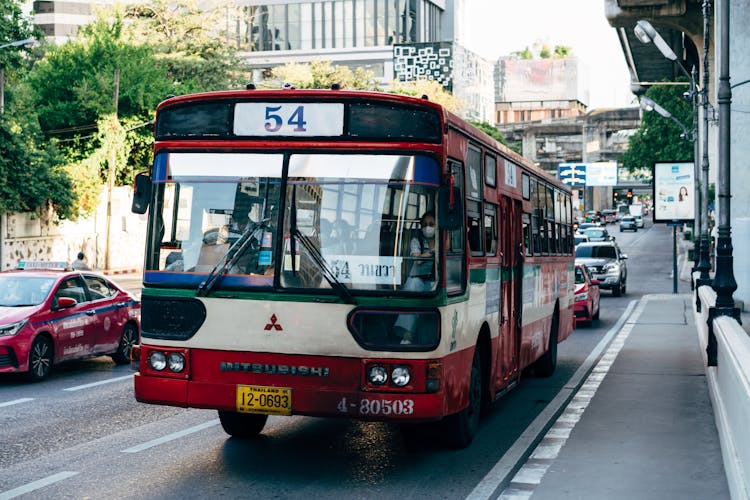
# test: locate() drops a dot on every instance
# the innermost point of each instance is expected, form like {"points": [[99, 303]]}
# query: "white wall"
{"points": [[24, 236]]}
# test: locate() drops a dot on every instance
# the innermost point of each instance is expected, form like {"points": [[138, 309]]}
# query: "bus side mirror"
{"points": [[141, 193], [451, 209]]}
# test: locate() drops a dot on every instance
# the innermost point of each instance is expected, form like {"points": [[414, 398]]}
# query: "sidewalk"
{"points": [[641, 426]]}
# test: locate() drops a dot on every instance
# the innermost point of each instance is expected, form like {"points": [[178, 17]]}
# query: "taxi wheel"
{"points": [[40, 359], [128, 339], [242, 425]]}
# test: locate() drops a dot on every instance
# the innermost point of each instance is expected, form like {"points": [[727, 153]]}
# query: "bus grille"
{"points": [[173, 318]]}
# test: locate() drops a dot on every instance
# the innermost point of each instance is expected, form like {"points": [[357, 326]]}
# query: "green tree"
{"points": [[523, 54], [31, 178], [490, 130], [544, 52], [181, 34], [658, 138], [434, 92], [323, 74], [562, 51]]}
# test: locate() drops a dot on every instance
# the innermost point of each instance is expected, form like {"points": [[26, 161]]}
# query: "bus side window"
{"points": [[455, 251]]}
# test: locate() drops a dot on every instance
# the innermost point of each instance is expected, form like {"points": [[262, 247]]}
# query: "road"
{"points": [[81, 434]]}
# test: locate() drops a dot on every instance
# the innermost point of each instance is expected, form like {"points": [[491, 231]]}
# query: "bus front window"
{"points": [[206, 203], [363, 215]]}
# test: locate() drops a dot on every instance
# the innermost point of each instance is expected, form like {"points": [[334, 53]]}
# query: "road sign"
{"points": [[572, 174]]}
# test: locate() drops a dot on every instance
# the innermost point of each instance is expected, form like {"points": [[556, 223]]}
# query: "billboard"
{"points": [[674, 189], [602, 173]]}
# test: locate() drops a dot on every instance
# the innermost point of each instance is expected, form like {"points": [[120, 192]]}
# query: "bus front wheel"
{"points": [[242, 425], [463, 425]]}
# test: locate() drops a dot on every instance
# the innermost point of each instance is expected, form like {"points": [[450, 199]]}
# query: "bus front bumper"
{"points": [[364, 405]]}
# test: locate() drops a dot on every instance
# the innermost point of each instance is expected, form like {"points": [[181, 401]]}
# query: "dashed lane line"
{"points": [[101, 382], [36, 485], [16, 402], [171, 437]]}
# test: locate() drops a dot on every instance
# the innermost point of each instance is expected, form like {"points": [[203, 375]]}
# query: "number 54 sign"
{"points": [[284, 119]]}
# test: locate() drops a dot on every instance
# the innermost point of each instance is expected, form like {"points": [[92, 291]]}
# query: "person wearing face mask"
{"points": [[422, 272]]}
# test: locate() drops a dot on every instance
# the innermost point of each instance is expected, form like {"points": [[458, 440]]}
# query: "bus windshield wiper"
{"points": [[229, 258], [330, 277]]}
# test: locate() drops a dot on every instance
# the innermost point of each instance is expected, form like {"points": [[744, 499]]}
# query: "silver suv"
{"points": [[628, 222], [606, 263]]}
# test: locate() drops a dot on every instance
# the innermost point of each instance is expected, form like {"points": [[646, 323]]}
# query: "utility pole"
{"points": [[111, 175]]}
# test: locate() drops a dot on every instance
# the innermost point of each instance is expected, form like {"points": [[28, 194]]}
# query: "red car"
{"points": [[50, 315], [586, 306]]}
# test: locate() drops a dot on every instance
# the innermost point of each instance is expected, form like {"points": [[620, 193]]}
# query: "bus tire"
{"points": [[462, 427], [242, 425], [546, 365]]}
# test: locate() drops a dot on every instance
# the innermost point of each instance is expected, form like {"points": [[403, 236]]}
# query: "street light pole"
{"points": [[724, 283], [704, 262], [696, 174]]}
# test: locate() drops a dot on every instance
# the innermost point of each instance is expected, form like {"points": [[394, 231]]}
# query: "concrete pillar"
{"points": [[739, 71]]}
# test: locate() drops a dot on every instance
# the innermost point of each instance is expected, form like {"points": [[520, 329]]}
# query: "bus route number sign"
{"points": [[284, 119], [264, 400]]}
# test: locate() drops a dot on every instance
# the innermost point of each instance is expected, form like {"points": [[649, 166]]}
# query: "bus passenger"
{"points": [[422, 273]]}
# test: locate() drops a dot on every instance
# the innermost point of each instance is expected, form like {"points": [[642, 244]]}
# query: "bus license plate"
{"points": [[264, 400]]}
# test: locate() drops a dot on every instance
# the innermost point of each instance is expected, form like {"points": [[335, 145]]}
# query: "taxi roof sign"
{"points": [[51, 265]]}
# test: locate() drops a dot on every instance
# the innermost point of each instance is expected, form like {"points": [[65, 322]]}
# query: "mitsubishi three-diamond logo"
{"points": [[273, 325]]}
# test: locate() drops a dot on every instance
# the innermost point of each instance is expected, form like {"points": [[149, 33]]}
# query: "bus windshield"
{"points": [[351, 220]]}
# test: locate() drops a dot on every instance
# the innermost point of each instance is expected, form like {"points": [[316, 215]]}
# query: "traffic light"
{"points": [[630, 196], [615, 196]]}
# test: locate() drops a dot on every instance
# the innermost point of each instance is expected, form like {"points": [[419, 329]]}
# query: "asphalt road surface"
{"points": [[81, 434]]}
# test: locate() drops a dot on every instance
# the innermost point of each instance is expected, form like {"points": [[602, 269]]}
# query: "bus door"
{"points": [[510, 239]]}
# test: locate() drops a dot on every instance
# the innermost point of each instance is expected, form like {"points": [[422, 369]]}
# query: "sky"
{"points": [[496, 28]]}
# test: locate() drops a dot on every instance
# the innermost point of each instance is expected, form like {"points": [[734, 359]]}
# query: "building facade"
{"points": [[528, 90], [368, 34]]}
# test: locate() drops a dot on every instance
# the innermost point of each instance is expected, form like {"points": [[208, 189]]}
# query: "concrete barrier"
{"points": [[729, 387]]}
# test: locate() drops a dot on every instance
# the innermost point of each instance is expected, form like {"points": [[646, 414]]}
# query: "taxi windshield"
{"points": [[18, 290]]}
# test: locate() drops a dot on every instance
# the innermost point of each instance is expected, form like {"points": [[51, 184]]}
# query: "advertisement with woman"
{"points": [[674, 192]]}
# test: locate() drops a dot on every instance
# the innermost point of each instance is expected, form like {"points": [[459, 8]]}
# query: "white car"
{"points": [[638, 221], [629, 223]]}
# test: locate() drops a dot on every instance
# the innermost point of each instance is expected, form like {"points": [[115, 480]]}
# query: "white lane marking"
{"points": [[33, 486], [508, 464], [531, 473], [101, 382], [171, 437], [16, 401]]}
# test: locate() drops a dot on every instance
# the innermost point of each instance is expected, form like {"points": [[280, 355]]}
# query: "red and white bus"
{"points": [[287, 273]]}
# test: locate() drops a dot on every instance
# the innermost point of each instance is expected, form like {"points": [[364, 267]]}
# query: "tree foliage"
{"points": [[434, 92], [542, 50], [658, 138], [490, 130], [31, 178], [181, 35], [322, 74]]}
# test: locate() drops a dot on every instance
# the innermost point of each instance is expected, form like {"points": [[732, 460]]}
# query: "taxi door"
{"points": [[111, 314], [74, 326]]}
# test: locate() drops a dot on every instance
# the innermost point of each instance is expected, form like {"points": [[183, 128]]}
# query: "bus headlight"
{"points": [[377, 375], [157, 360], [400, 376], [176, 362]]}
